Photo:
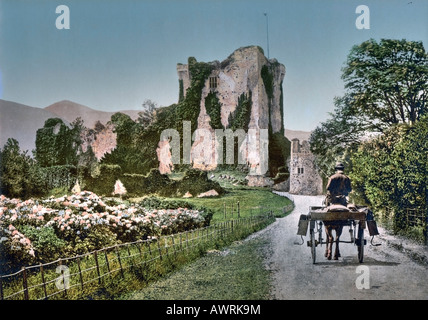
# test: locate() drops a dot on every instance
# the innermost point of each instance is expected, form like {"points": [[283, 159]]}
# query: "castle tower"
{"points": [[304, 177], [246, 75]]}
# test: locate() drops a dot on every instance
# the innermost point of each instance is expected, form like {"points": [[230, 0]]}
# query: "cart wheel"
{"points": [[360, 243], [313, 246]]}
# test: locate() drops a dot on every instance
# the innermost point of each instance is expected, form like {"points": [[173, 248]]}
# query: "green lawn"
{"points": [[252, 201]]}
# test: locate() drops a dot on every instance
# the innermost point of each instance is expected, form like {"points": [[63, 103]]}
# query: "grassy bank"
{"points": [[219, 275]]}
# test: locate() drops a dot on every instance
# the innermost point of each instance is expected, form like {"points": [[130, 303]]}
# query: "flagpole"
{"points": [[267, 32]]}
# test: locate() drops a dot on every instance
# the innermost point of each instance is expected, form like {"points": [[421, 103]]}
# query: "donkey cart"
{"points": [[336, 218]]}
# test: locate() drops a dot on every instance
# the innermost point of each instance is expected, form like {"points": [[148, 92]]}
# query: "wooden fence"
{"points": [[408, 218], [59, 278]]}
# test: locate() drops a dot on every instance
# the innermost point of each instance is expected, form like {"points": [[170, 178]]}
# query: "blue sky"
{"points": [[117, 53]]}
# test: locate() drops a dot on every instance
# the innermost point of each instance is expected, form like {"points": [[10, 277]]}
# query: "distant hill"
{"points": [[301, 135], [21, 122], [69, 111]]}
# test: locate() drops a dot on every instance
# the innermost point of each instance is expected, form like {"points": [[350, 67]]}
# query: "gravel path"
{"points": [[389, 272]]}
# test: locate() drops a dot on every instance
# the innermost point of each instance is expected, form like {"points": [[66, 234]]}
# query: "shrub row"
{"points": [[38, 231]]}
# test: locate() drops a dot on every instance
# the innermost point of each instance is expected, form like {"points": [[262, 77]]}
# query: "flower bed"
{"points": [[35, 231]]}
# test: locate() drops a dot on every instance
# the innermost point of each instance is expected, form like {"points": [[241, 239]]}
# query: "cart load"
{"points": [[357, 218]]}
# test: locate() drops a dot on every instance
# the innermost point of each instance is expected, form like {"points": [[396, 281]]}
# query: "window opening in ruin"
{"points": [[213, 83], [300, 170]]}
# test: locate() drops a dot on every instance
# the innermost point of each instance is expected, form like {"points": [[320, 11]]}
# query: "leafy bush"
{"points": [[391, 170], [102, 180], [196, 182], [100, 236], [34, 231], [152, 202], [47, 246]]}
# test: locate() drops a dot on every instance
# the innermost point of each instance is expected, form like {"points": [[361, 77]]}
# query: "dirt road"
{"points": [[386, 273]]}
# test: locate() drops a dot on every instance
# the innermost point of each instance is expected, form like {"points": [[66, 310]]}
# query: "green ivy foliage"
{"points": [[213, 108], [189, 108], [181, 90], [58, 144], [267, 77], [240, 118]]}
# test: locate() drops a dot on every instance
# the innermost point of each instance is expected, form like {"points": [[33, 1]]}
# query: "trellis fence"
{"points": [[61, 279]]}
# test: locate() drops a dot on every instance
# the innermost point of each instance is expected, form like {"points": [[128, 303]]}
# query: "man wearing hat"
{"points": [[338, 186]]}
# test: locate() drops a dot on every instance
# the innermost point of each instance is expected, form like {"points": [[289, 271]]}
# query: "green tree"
{"points": [[148, 115], [127, 154], [388, 82], [19, 175], [332, 138]]}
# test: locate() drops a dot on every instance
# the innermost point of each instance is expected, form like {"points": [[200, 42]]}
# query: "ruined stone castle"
{"points": [[246, 75], [241, 73], [243, 92]]}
